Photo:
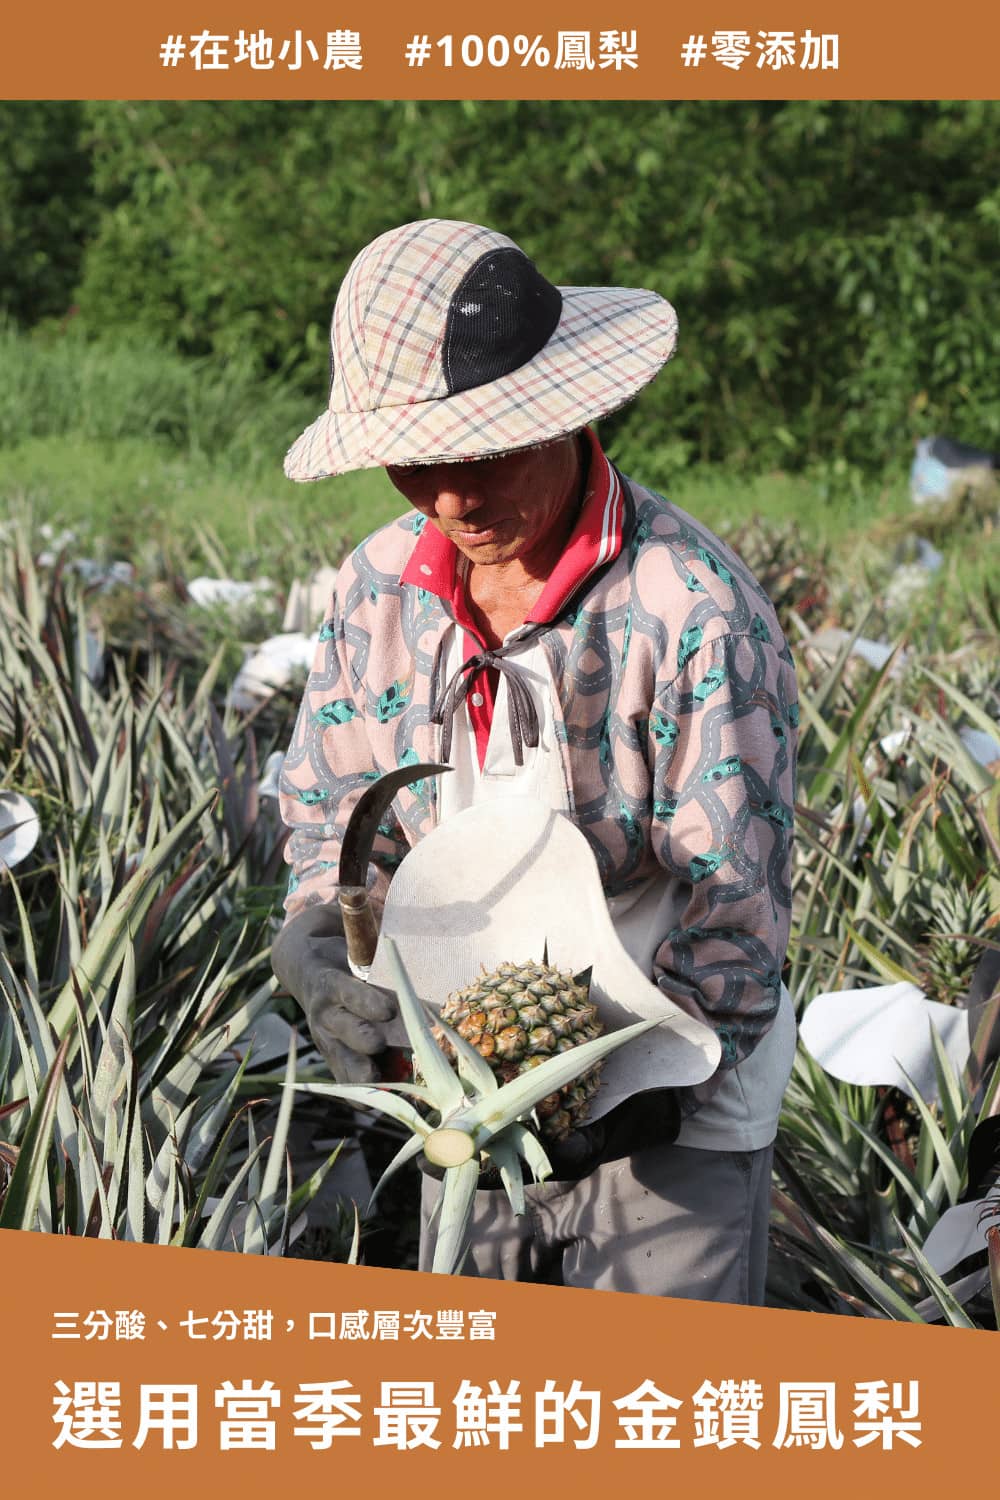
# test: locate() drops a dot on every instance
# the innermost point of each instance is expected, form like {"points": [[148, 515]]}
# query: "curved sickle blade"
{"points": [[362, 826]]}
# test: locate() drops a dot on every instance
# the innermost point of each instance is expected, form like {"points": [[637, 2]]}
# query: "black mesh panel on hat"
{"points": [[503, 312]]}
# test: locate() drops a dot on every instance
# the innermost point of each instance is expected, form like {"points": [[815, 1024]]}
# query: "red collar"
{"points": [[595, 540]]}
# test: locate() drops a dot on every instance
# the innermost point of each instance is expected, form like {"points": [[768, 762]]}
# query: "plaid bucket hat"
{"points": [[447, 343]]}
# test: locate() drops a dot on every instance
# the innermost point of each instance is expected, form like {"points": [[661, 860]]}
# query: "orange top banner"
{"points": [[757, 49]]}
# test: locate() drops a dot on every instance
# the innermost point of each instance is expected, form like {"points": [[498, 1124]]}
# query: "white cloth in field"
{"points": [[743, 1113]]}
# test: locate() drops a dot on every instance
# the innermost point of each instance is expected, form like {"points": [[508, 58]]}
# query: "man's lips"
{"points": [[479, 534]]}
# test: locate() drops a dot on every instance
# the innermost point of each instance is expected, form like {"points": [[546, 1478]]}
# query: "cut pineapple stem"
{"points": [[449, 1148]]}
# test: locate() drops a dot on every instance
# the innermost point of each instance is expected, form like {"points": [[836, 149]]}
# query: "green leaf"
{"points": [[973, 710], [24, 1191], [406, 1153], [951, 1171], [881, 1292], [382, 1100], [352, 1254], [948, 1303], [457, 1199], [213, 1236], [445, 1088], [882, 965], [305, 1192], [105, 949], [489, 1115], [504, 1154], [473, 1068], [530, 1147], [189, 1227], [925, 1210], [255, 1238]]}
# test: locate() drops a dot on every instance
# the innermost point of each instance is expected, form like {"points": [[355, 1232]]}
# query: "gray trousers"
{"points": [[669, 1221]]}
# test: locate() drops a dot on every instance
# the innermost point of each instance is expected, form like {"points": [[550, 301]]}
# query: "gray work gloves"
{"points": [[350, 1021]]}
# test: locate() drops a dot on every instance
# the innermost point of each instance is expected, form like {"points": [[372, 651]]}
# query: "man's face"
{"points": [[498, 509]]}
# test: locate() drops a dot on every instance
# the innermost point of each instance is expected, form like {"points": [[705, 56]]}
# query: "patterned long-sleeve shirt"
{"points": [[675, 710]]}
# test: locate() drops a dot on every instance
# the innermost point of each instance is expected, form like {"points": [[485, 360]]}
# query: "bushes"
{"points": [[831, 262]]}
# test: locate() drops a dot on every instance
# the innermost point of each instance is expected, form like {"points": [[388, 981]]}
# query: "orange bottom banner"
{"points": [[159, 1368]]}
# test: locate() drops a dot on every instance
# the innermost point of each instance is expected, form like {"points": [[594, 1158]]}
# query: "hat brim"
{"points": [[608, 344]]}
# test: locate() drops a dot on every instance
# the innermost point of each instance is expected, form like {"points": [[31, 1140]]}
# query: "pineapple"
{"points": [[519, 1015], [465, 1117]]}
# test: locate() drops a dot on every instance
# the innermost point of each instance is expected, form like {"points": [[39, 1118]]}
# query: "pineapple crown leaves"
{"points": [[383, 1098], [444, 1085], [471, 1103], [488, 1116]]}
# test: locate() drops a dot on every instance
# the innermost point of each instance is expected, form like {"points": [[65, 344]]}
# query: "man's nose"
{"points": [[454, 499]]}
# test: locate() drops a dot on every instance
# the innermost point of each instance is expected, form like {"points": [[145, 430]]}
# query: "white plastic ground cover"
{"points": [[875, 653], [881, 1036], [498, 882], [207, 592], [271, 666], [308, 603], [983, 747], [270, 782], [19, 829]]}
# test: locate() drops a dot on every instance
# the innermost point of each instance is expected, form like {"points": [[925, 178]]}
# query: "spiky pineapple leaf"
{"points": [[924, 1208], [473, 1068], [457, 1199], [105, 948], [943, 1296], [161, 1178], [879, 961], [187, 1230], [24, 1191], [940, 1154], [352, 1254], [305, 1192], [213, 1236], [881, 1292], [974, 711], [255, 1239], [445, 1087], [171, 1092], [488, 1116], [530, 1148], [203, 1135], [406, 1153], [504, 1154], [383, 1100]]}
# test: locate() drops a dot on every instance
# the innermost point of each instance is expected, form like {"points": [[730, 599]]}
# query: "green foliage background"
{"points": [[833, 264]]}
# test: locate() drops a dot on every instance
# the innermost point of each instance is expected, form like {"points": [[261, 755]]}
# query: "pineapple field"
{"points": [[156, 1086], [163, 335]]}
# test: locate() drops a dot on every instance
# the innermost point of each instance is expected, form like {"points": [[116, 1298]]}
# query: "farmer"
{"points": [[550, 628]]}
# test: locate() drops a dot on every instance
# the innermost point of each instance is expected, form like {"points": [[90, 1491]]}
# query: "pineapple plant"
{"points": [[134, 925], [518, 1015], [464, 1119], [957, 918]]}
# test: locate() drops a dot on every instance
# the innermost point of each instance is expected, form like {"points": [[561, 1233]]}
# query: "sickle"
{"points": [[360, 928]]}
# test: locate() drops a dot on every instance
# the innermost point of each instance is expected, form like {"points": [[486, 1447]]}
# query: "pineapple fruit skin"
{"points": [[519, 1014]]}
